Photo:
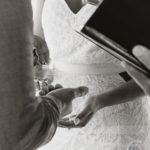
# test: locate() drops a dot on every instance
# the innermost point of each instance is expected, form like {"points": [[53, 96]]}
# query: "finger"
{"points": [[66, 124], [58, 86], [47, 59], [44, 90], [139, 77], [42, 93], [78, 120], [45, 53], [80, 91], [69, 118], [84, 121], [44, 85], [69, 94], [72, 124], [65, 119], [50, 88], [143, 54]]}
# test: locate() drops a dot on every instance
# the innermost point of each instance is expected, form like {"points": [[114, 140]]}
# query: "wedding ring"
{"points": [[76, 121]]}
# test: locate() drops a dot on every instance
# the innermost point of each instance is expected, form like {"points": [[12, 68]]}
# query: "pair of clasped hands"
{"points": [[65, 96]]}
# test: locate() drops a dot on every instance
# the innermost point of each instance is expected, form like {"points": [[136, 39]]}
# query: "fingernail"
{"points": [[139, 51], [76, 121]]}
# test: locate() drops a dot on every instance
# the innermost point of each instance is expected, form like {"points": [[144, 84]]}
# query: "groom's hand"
{"points": [[64, 97]]}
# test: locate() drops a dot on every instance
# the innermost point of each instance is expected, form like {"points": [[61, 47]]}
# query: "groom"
{"points": [[26, 121]]}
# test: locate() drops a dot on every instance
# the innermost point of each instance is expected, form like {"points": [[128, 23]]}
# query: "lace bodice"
{"points": [[60, 22]]}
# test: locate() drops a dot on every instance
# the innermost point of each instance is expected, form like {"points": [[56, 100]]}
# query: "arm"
{"points": [[37, 17], [124, 93]]}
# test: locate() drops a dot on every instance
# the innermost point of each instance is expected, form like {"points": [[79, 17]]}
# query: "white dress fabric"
{"points": [[119, 127]]}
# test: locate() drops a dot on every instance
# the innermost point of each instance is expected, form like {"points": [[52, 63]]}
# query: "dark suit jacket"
{"points": [[26, 122]]}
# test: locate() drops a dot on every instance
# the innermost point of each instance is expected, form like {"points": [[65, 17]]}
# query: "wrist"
{"points": [[100, 101], [57, 102]]}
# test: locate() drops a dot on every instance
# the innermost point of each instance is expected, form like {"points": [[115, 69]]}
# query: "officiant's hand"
{"points": [[64, 97], [91, 106], [143, 54]]}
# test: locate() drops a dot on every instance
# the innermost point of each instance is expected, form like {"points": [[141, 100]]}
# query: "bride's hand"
{"points": [[91, 106]]}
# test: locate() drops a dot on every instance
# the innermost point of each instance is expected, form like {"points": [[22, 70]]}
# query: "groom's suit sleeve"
{"points": [[26, 122]]}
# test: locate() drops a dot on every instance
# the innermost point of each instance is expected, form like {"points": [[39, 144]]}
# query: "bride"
{"points": [[76, 61]]}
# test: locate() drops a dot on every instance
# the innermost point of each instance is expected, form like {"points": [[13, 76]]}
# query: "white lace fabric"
{"points": [[112, 128]]}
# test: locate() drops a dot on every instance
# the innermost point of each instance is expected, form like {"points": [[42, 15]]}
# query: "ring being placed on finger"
{"points": [[76, 121]]}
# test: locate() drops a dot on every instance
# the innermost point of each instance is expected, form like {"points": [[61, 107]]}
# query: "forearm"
{"points": [[37, 17], [127, 92]]}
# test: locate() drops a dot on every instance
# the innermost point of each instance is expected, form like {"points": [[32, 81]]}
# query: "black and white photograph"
{"points": [[75, 74]]}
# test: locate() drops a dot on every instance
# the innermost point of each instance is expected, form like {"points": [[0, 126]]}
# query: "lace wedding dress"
{"points": [[77, 62]]}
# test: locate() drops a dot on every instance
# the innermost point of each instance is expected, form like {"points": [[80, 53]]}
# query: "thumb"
{"points": [[80, 117], [80, 91], [143, 54]]}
